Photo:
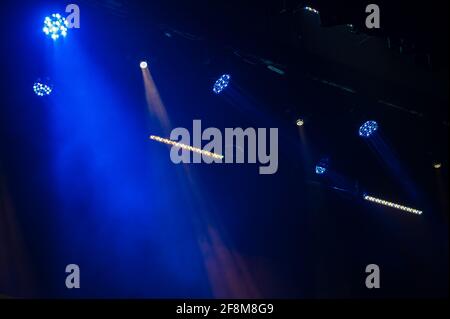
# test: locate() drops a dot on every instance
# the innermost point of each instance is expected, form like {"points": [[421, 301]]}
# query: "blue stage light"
{"points": [[55, 26], [322, 166], [320, 170], [221, 83], [42, 89], [368, 128]]}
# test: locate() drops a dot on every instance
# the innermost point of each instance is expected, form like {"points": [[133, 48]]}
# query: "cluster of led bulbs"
{"points": [[368, 129], [41, 89], [55, 26], [221, 83]]}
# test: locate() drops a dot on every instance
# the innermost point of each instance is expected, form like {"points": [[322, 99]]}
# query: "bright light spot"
{"points": [[311, 10], [322, 166], [300, 122], [368, 129], [437, 165], [221, 83], [320, 170], [143, 65], [55, 26]]}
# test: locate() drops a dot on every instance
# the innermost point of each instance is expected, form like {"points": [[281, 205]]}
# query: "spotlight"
{"points": [[437, 165], [55, 26], [322, 166], [320, 170], [42, 89], [368, 129], [300, 122], [392, 205], [221, 83], [143, 65]]}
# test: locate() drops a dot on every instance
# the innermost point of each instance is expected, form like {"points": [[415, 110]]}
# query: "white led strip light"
{"points": [[393, 205], [186, 147]]}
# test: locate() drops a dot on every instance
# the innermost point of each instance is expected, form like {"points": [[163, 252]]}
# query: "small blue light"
{"points": [[55, 26], [221, 83], [322, 166], [42, 89], [368, 129], [320, 170]]}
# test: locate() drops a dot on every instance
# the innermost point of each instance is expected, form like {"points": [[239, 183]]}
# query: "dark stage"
{"points": [[120, 176]]}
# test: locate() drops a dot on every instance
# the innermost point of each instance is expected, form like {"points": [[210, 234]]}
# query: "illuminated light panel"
{"points": [[186, 147], [311, 10], [392, 205], [55, 26], [368, 129], [221, 83]]}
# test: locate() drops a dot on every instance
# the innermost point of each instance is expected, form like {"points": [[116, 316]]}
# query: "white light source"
{"points": [[186, 147], [55, 26], [143, 65], [310, 9], [393, 205], [300, 122], [437, 165]]}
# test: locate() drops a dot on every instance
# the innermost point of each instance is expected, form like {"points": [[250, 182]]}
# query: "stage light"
{"points": [[320, 170], [437, 165], [322, 166], [300, 122], [186, 147], [392, 205], [368, 129], [143, 65], [55, 26], [42, 89], [221, 83], [311, 10]]}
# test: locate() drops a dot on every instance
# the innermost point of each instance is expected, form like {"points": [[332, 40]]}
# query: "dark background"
{"points": [[81, 183]]}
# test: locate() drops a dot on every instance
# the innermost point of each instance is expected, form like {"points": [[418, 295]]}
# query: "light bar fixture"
{"points": [[310, 9], [186, 147], [393, 205]]}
